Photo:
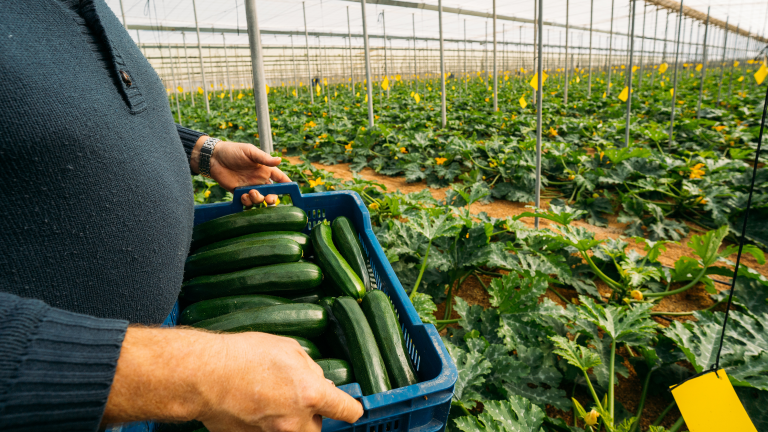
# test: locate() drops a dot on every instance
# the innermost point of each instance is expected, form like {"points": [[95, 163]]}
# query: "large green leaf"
{"points": [[514, 415], [630, 325], [472, 368], [575, 354]]}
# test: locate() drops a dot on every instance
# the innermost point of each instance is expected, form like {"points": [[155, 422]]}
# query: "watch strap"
{"points": [[205, 156]]}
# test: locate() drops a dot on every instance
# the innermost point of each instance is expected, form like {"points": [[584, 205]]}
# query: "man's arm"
{"points": [[230, 382], [56, 367]]}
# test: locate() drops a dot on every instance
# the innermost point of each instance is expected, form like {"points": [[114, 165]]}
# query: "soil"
{"points": [[628, 389]]}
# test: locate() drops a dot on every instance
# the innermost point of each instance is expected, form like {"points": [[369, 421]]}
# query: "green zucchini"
{"points": [[275, 278], [300, 238], [296, 319], [243, 255], [335, 344], [338, 371], [207, 309], [381, 317], [280, 218], [334, 266], [370, 371], [309, 347], [313, 296], [346, 241]]}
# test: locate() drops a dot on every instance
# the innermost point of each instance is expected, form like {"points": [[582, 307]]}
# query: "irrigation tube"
{"points": [[369, 86], [442, 65], [674, 79], [202, 68], [259, 79], [703, 66], [540, 73], [629, 73]]}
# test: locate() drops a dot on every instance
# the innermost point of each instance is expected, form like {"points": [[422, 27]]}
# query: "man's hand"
{"points": [[238, 164], [234, 382]]}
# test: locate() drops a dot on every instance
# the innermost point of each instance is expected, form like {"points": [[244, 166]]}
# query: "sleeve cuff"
{"points": [[61, 368], [189, 138]]}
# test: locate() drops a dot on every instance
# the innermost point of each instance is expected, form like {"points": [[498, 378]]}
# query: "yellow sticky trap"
{"points": [[662, 83], [663, 67], [385, 83], [698, 67], [709, 404], [398, 77], [294, 94], [671, 92], [736, 63], [635, 68], [624, 94], [535, 80], [522, 101], [761, 74], [267, 89], [577, 79], [741, 78], [603, 95], [417, 97]]}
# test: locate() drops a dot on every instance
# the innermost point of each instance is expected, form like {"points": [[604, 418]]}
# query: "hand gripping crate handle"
{"points": [[291, 189]]}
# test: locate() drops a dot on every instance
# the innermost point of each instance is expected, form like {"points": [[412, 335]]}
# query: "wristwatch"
{"points": [[205, 156]]}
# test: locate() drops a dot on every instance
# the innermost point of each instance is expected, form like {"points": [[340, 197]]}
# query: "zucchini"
{"points": [[334, 266], [309, 347], [300, 238], [335, 344], [313, 296], [275, 278], [208, 309], [337, 371], [280, 218], [346, 241], [296, 319], [241, 256], [365, 357], [381, 317]]}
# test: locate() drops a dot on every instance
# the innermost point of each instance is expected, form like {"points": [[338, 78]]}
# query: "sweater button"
{"points": [[126, 78]]}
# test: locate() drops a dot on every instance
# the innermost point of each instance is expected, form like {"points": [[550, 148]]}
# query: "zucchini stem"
{"points": [[421, 272]]}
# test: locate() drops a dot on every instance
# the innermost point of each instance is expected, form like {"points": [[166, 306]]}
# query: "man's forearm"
{"points": [[156, 377], [194, 159]]}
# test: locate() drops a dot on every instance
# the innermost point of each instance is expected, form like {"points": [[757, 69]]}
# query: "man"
{"points": [[97, 216]]}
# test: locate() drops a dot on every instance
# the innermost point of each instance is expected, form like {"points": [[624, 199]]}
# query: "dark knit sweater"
{"points": [[96, 208]]}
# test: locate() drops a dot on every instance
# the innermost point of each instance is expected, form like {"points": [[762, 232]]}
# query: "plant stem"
{"points": [[613, 284], [485, 287], [592, 390], [679, 290], [678, 424], [611, 377], [489, 273], [421, 272], [558, 294], [575, 416], [640, 406], [664, 414], [450, 321]]}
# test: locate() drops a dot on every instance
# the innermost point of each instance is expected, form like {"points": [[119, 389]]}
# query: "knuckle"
{"points": [[312, 398], [286, 425]]}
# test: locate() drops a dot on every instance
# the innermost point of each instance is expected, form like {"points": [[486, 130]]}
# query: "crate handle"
{"points": [[291, 189]]}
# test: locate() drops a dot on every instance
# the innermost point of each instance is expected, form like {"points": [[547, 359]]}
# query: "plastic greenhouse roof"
{"points": [[330, 16]]}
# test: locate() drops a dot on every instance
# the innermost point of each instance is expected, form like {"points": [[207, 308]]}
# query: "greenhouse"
{"points": [[476, 216], [574, 246]]}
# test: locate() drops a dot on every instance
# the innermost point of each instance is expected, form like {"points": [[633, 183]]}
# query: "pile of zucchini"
{"points": [[256, 271]]}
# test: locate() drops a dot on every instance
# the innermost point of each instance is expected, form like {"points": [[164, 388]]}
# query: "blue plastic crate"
{"points": [[423, 406]]}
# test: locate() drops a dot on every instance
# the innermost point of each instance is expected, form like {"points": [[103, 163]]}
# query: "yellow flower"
{"points": [[373, 206], [318, 182], [697, 171], [207, 193], [486, 99], [229, 124], [591, 417], [440, 160], [239, 95], [552, 132], [348, 147], [719, 128], [222, 126], [701, 200], [637, 295], [403, 150], [601, 156], [200, 90], [311, 124]]}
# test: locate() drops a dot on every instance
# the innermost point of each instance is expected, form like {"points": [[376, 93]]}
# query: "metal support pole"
{"points": [[674, 79], [175, 92], [259, 78], [703, 66], [351, 59], [202, 68], [367, 67], [567, 28], [309, 66], [125, 23], [443, 110], [495, 72], [629, 72], [610, 52], [540, 72], [466, 77], [589, 62], [226, 65], [485, 52], [189, 75], [734, 55], [653, 55], [386, 68], [415, 69]]}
